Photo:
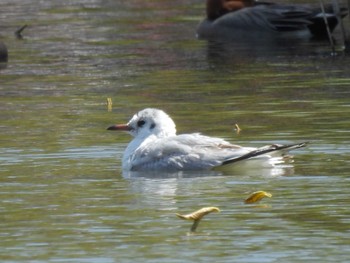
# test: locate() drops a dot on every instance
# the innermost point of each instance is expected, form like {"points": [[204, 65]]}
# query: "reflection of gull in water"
{"points": [[161, 189], [239, 170], [158, 193], [156, 147]]}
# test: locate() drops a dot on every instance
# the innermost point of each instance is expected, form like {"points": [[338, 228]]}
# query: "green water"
{"points": [[63, 195]]}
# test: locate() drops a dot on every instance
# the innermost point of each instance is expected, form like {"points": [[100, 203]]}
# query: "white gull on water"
{"points": [[156, 146]]}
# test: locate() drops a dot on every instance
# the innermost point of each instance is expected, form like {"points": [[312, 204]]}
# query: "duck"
{"points": [[233, 18], [157, 147]]}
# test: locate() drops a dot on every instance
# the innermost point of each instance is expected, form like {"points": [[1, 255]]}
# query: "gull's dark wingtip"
{"points": [[264, 150]]}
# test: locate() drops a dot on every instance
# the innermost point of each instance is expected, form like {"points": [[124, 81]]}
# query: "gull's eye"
{"points": [[141, 123]]}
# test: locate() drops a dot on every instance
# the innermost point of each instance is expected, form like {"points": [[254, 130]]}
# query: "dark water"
{"points": [[63, 195]]}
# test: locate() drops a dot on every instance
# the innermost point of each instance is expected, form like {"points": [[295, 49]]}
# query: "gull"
{"points": [[156, 146]]}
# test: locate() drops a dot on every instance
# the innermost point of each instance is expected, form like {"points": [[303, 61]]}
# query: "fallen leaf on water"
{"points": [[257, 196], [198, 215], [238, 130], [109, 104]]}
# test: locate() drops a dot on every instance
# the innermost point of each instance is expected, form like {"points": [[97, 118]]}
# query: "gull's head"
{"points": [[148, 122]]}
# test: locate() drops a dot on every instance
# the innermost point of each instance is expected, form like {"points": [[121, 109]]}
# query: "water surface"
{"points": [[63, 195]]}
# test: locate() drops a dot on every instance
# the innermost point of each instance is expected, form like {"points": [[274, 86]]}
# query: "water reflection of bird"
{"points": [[157, 147], [236, 18], [3, 52]]}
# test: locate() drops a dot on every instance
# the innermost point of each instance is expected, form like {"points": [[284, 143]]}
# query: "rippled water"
{"points": [[63, 195]]}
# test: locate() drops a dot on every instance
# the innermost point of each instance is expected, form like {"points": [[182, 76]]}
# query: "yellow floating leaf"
{"points": [[257, 196], [109, 104], [197, 215], [238, 129]]}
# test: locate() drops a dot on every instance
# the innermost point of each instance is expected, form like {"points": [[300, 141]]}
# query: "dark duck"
{"points": [[233, 18]]}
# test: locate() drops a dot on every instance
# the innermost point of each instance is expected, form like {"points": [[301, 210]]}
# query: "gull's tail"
{"points": [[274, 149]]}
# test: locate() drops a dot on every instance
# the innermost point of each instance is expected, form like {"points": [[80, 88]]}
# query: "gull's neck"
{"points": [[134, 145]]}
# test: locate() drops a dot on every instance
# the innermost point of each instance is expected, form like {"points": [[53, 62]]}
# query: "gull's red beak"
{"points": [[119, 127]]}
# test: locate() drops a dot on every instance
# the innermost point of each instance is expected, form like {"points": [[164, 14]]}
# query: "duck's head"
{"points": [[217, 8]]}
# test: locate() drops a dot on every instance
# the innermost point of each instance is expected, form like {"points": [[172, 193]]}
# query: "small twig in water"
{"points": [[327, 27], [337, 11], [18, 32]]}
